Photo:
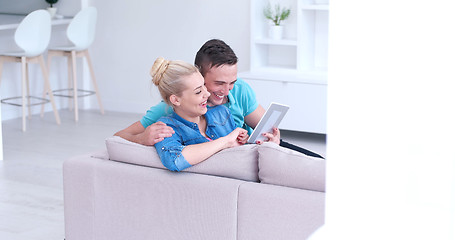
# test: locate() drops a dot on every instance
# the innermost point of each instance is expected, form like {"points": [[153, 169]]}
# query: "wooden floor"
{"points": [[31, 193]]}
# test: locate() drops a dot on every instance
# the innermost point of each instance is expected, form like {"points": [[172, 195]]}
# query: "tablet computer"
{"points": [[271, 118]]}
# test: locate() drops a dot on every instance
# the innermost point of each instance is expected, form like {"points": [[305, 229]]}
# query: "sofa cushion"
{"points": [[238, 162], [286, 167]]}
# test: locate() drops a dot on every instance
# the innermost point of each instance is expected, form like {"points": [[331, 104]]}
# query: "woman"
{"points": [[198, 132]]}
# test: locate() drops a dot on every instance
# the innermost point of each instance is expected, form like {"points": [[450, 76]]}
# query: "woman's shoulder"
{"points": [[168, 120]]}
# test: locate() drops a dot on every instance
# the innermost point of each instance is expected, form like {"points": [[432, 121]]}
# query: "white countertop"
{"points": [[11, 21]]}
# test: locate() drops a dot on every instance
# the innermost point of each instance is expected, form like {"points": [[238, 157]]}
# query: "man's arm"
{"points": [[153, 133], [146, 136], [253, 118]]}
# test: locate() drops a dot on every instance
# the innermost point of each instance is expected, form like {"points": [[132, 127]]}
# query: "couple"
{"points": [[209, 105]]}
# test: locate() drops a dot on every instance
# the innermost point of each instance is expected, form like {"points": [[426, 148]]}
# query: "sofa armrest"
{"points": [[78, 194]]}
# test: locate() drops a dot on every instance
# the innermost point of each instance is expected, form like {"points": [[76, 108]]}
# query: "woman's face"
{"points": [[193, 101]]}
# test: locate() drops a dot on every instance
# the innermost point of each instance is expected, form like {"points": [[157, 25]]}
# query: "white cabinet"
{"points": [[292, 70], [307, 101]]}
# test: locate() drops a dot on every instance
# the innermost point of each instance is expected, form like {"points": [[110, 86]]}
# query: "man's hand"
{"points": [[156, 133], [146, 136], [271, 137]]}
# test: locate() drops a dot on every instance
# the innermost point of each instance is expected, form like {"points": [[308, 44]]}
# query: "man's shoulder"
{"points": [[160, 108], [241, 87], [241, 83]]}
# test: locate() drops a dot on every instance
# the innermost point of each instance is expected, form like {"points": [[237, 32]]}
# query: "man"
{"points": [[218, 65]]}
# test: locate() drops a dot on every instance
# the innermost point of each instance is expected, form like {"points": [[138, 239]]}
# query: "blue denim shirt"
{"points": [[219, 124]]}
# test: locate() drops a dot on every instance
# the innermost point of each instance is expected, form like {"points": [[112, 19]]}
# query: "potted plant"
{"points": [[52, 10], [277, 14]]}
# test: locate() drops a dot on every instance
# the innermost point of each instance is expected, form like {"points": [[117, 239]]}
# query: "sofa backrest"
{"points": [[239, 163], [286, 167], [267, 163]]}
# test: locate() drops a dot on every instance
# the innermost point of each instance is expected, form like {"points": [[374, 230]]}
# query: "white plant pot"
{"points": [[52, 11], [276, 32]]}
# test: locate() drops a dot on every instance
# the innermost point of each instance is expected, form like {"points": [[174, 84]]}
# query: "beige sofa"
{"points": [[248, 192]]}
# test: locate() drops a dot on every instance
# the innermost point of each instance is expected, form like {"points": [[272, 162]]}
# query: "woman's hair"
{"points": [[167, 76], [214, 53]]}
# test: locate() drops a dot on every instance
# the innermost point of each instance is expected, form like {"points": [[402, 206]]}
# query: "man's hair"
{"points": [[214, 53]]}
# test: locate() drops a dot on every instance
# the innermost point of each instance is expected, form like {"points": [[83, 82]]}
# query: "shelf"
{"points": [[282, 42], [292, 70], [286, 76], [322, 7]]}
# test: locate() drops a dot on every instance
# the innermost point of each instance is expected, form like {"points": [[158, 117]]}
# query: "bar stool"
{"points": [[32, 36], [81, 33]]}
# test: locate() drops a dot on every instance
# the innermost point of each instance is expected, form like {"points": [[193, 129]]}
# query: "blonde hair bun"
{"points": [[169, 76], [158, 70]]}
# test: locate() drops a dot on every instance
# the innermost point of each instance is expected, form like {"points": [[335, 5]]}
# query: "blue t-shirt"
{"points": [[242, 102], [219, 124]]}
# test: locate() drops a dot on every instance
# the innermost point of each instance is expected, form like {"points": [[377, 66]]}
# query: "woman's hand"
{"points": [[242, 137], [236, 138], [271, 137]]}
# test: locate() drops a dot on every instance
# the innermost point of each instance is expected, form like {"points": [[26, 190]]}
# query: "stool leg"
{"points": [[92, 73], [1, 68], [73, 59], [23, 83], [70, 81], [48, 87], [49, 58], [27, 82]]}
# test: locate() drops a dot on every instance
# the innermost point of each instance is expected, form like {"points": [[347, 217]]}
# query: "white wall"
{"points": [[131, 35], [391, 121]]}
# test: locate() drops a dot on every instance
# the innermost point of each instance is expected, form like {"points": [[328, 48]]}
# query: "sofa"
{"points": [[249, 192]]}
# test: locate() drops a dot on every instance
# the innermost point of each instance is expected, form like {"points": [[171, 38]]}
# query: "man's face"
{"points": [[219, 81]]}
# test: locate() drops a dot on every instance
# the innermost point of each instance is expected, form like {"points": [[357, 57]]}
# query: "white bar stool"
{"points": [[32, 36], [81, 33]]}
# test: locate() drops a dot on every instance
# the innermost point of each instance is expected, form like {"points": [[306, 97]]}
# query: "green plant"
{"points": [[52, 2], [277, 14]]}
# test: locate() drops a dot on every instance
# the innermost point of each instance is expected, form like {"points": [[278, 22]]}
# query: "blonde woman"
{"points": [[199, 132]]}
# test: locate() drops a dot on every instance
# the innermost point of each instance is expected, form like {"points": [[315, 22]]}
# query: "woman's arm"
{"points": [[197, 153], [175, 156], [146, 136]]}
